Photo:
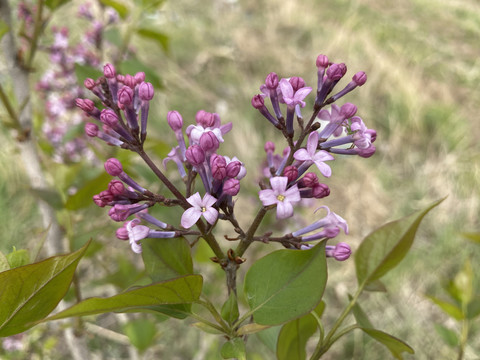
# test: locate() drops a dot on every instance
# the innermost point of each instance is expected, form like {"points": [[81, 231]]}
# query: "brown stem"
{"points": [[245, 243]]}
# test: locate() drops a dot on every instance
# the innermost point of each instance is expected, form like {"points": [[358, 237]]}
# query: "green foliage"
{"points": [[157, 36], [84, 71], [3, 28], [55, 4], [18, 258], [279, 288], [395, 345], [294, 336], [134, 65], [230, 309], [141, 333], [29, 293], [234, 348], [4, 264], [118, 6], [83, 197]]}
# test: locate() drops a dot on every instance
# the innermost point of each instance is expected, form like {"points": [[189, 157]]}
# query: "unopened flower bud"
{"points": [[340, 252], [98, 201], [296, 82], [116, 187], [257, 102], [113, 167], [125, 95], [108, 117], [145, 91], [91, 129], [360, 78], [366, 153], [233, 169], [348, 110], [205, 118], [175, 120], [309, 180], [272, 81], [195, 155], [122, 233], [320, 191], [336, 71], [209, 142], [218, 165], [291, 172], [106, 196], [129, 81], [322, 61], [231, 187], [269, 147], [89, 83], [139, 77], [109, 71]]}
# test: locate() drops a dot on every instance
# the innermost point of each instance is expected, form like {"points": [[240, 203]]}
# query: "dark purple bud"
{"points": [[125, 95], [366, 153], [291, 172], [108, 117], [139, 77], [320, 191], [208, 141], [122, 233], [271, 81], [296, 82], [129, 81], [145, 91], [89, 83], [98, 201], [116, 187], [106, 196], [360, 78], [195, 155], [231, 187], [269, 147], [86, 105], [309, 180], [113, 167], [257, 102], [218, 166], [233, 168], [348, 110], [175, 120], [322, 61], [91, 129], [120, 78], [205, 118], [109, 71], [336, 71]]}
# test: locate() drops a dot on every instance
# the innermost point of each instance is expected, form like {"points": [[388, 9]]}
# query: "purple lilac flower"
{"points": [[200, 207], [340, 252], [280, 196], [310, 155], [135, 233], [331, 224]]}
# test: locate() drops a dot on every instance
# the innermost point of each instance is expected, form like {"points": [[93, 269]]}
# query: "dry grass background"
{"points": [[422, 97]]}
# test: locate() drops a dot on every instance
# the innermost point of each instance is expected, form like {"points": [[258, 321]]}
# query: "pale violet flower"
{"points": [[290, 97], [281, 196], [331, 224], [200, 207], [136, 233], [318, 158]]}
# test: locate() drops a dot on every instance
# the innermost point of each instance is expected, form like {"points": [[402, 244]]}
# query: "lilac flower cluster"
{"points": [[123, 123]]}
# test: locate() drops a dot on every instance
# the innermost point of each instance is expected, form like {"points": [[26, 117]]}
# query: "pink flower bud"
{"points": [[296, 82], [108, 117], [218, 166], [348, 110], [291, 172], [209, 142], [271, 81], [231, 187], [366, 153], [360, 78], [175, 120], [257, 102], [336, 71], [139, 77], [106, 196], [86, 105], [205, 118], [322, 61], [89, 83], [116, 187], [309, 180], [125, 95], [109, 71], [320, 191], [122, 233], [91, 129], [342, 251], [145, 91], [269, 147], [113, 167], [120, 78], [195, 155], [129, 81], [98, 201], [233, 168]]}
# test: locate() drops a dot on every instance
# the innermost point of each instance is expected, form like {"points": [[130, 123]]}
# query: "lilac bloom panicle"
{"points": [[200, 207], [281, 196]]}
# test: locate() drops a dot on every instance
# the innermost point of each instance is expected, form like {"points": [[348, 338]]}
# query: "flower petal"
{"points": [[302, 93], [293, 194], [324, 168], [312, 143], [190, 217], [279, 184], [208, 200], [195, 200], [267, 197], [210, 215], [301, 155], [284, 209]]}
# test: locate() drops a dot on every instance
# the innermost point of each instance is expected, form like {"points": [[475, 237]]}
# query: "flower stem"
{"points": [[245, 243]]}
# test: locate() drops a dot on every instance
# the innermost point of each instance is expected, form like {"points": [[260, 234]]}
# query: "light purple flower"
{"points": [[331, 224], [199, 207], [281, 196], [318, 158], [136, 233], [291, 97]]}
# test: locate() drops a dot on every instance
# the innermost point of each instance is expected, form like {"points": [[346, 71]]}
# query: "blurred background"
{"points": [[422, 96]]}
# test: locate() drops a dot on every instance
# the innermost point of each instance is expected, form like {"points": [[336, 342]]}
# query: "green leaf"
{"points": [[251, 329], [83, 197], [18, 258], [4, 265], [452, 310], [449, 336], [293, 338], [320, 308], [384, 248], [84, 71], [3, 28], [51, 197], [55, 4], [166, 258], [472, 236], [157, 36], [375, 286], [207, 328], [286, 284], [177, 311], [29, 293], [395, 345], [132, 66], [141, 333], [269, 337], [464, 283], [234, 348], [360, 315], [118, 6], [230, 309], [183, 290], [473, 309]]}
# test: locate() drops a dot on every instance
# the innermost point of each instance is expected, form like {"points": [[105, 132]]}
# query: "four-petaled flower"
{"points": [[200, 207], [318, 158], [281, 196], [136, 233], [291, 97]]}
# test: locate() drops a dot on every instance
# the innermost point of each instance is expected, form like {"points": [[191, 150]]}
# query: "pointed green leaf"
{"points": [[251, 329], [269, 337], [472, 236], [4, 265], [51, 197], [157, 36], [83, 197], [473, 309], [449, 336], [185, 289], [29, 293], [230, 308], [234, 349], [293, 338], [3, 28], [141, 333], [286, 284], [395, 345], [360, 315], [55, 4], [384, 248], [207, 328], [84, 71], [118, 6], [18, 258], [177, 311], [451, 309], [375, 286]]}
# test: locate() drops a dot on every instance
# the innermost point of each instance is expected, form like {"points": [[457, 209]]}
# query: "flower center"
{"points": [[204, 209], [281, 197]]}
